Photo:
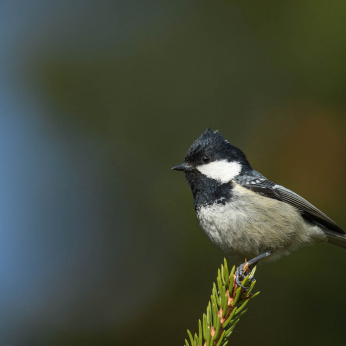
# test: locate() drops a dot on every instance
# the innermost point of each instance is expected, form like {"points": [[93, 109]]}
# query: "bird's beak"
{"points": [[183, 167]]}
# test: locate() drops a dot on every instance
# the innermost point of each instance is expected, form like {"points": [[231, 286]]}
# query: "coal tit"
{"points": [[244, 213]]}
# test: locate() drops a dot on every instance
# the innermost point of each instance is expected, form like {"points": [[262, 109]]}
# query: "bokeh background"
{"points": [[99, 243]]}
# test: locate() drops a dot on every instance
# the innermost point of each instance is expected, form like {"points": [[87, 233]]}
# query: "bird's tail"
{"points": [[336, 239]]}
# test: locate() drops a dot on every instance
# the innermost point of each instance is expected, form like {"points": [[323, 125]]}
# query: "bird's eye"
{"points": [[206, 159]]}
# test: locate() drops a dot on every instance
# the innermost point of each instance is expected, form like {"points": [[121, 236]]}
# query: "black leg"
{"points": [[239, 276]]}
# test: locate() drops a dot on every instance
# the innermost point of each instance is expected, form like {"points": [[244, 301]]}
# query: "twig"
{"points": [[224, 310]]}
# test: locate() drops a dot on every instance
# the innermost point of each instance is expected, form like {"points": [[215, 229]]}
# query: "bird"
{"points": [[243, 213]]}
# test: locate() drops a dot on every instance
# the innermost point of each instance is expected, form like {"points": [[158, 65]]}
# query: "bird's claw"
{"points": [[239, 276]]}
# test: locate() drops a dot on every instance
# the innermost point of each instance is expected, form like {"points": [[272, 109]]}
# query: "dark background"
{"points": [[99, 243]]}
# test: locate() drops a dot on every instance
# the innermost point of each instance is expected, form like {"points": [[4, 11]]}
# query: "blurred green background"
{"points": [[99, 243]]}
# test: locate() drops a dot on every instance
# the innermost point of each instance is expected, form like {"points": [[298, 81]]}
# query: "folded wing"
{"points": [[308, 211]]}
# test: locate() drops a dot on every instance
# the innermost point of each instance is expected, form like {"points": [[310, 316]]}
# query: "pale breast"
{"points": [[250, 224]]}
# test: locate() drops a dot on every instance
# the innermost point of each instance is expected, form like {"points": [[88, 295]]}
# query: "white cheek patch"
{"points": [[223, 171]]}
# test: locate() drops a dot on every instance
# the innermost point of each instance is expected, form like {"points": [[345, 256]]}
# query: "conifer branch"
{"points": [[226, 306]]}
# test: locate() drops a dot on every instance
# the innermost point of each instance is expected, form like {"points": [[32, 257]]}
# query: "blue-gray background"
{"points": [[99, 244]]}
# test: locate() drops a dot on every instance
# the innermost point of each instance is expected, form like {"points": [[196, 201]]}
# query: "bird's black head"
{"points": [[215, 158]]}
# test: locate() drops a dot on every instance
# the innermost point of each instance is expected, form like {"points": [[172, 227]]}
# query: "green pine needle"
{"points": [[226, 306]]}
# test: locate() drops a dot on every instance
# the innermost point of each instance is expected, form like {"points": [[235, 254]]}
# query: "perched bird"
{"points": [[244, 213]]}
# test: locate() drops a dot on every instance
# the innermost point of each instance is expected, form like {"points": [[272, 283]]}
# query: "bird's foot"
{"points": [[240, 275], [245, 268]]}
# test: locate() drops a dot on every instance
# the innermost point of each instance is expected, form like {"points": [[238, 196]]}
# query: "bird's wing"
{"points": [[308, 211]]}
